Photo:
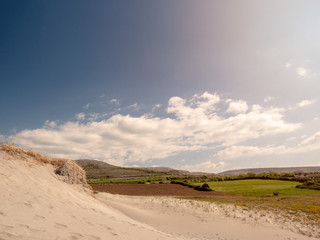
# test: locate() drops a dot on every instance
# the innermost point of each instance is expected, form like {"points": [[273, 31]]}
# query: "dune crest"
{"points": [[69, 171]]}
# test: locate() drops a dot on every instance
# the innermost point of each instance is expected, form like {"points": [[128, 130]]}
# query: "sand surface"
{"points": [[35, 204], [200, 220]]}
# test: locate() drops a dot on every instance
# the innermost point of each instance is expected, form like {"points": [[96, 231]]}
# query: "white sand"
{"points": [[35, 204], [201, 220]]}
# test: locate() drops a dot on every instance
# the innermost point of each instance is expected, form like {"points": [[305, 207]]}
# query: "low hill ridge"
{"points": [[267, 170]]}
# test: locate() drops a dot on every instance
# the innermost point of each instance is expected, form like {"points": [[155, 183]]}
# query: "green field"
{"points": [[295, 203], [258, 188]]}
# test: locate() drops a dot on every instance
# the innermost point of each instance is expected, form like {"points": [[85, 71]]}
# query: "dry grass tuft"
{"points": [[72, 173], [68, 170], [13, 151]]}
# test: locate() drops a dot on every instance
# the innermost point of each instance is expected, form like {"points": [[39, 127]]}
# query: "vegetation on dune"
{"points": [[12, 151], [66, 170]]}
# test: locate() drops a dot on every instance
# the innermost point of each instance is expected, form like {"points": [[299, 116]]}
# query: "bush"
{"points": [[315, 185], [204, 187]]}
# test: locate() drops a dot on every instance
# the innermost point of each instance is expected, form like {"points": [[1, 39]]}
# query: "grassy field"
{"points": [[271, 195], [259, 188], [294, 203]]}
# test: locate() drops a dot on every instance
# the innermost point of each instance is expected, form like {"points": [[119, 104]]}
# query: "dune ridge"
{"points": [[37, 203]]}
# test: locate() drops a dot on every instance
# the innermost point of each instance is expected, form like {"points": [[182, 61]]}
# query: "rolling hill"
{"points": [[267, 170], [98, 169]]}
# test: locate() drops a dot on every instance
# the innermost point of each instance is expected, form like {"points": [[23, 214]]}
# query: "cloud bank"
{"points": [[202, 122], [238, 151]]}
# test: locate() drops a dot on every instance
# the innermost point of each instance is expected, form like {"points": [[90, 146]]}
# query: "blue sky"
{"points": [[197, 85]]}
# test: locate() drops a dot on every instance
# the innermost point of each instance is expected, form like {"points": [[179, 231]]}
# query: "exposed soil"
{"points": [[154, 190]]}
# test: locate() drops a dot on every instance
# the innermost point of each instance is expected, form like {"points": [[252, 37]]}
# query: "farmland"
{"points": [[260, 188]]}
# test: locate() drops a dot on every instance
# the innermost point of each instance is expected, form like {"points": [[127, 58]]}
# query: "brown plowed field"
{"points": [[154, 190]]}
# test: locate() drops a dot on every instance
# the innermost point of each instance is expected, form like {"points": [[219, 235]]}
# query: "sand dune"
{"points": [[36, 203]]}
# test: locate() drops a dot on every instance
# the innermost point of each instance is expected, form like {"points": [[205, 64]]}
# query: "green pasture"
{"points": [[294, 203], [258, 188]]}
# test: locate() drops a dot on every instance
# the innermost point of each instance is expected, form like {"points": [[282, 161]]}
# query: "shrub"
{"points": [[204, 187], [315, 185]]}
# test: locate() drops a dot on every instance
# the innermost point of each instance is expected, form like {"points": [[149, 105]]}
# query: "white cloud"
{"points": [[87, 106], [305, 103], [302, 72], [95, 116], [239, 151], [288, 65], [156, 106], [310, 143], [208, 167], [134, 106], [194, 125], [115, 101], [268, 99], [80, 116], [49, 124], [237, 107]]}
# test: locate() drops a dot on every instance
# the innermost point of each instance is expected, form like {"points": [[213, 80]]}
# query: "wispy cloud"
{"points": [[80, 116], [87, 106], [268, 99], [194, 124], [239, 151], [208, 166], [288, 65], [49, 124], [115, 101], [134, 106], [155, 107], [305, 103], [302, 72]]}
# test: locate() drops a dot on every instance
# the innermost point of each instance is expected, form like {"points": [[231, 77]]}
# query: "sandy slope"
{"points": [[36, 204], [200, 220]]}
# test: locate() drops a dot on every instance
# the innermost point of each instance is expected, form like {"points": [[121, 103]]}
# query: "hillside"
{"points": [[267, 170], [99, 169]]}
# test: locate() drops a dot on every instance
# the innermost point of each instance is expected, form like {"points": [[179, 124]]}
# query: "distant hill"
{"points": [[266, 170], [99, 169]]}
